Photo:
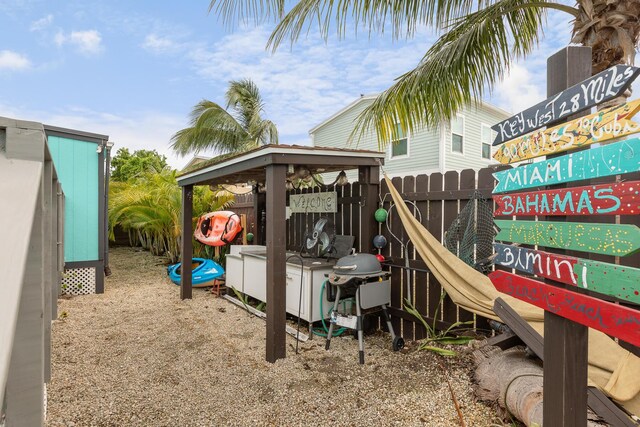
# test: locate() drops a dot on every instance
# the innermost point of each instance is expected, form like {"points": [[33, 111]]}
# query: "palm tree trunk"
{"points": [[610, 28]]}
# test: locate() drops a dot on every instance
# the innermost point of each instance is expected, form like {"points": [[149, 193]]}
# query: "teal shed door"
{"points": [[76, 162]]}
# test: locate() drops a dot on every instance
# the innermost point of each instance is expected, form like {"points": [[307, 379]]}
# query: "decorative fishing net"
{"points": [[471, 234]]}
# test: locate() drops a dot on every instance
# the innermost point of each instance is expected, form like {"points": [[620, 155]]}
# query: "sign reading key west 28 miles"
{"points": [[602, 87], [600, 127], [612, 159]]}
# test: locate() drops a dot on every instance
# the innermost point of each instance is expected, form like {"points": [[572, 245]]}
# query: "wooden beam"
{"points": [[565, 378], [276, 263], [186, 244]]}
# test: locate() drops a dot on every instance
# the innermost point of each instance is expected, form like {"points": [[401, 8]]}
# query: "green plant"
{"points": [[148, 208], [435, 336]]}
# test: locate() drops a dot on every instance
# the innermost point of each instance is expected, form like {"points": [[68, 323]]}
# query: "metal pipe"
{"points": [[107, 174]]}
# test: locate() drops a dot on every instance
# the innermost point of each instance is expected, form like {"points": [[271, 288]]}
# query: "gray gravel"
{"points": [[138, 356]]}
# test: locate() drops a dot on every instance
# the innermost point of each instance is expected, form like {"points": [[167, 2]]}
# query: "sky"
{"points": [[133, 70]]}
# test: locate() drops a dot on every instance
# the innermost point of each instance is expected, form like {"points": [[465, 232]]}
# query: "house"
{"points": [[81, 159], [464, 143], [195, 160]]}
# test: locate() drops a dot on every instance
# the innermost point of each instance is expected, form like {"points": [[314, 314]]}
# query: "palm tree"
{"points": [[480, 39], [149, 209], [238, 130]]}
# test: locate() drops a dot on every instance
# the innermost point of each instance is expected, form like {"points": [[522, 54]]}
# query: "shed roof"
{"points": [[251, 165]]}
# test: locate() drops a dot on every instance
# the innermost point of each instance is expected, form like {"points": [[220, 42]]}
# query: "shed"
{"points": [[270, 165], [81, 159]]}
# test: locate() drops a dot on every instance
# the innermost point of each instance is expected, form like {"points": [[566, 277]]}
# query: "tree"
{"points": [[125, 166], [241, 129], [480, 40], [148, 207]]}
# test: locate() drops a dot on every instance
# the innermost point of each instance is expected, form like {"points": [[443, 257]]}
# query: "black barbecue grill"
{"points": [[361, 276]]}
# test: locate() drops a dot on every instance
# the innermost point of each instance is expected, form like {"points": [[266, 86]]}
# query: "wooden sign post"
{"points": [[568, 312]]}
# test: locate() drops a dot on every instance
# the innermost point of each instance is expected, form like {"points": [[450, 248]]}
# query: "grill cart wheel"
{"points": [[398, 343]]}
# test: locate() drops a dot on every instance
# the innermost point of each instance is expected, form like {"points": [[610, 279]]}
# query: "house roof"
{"points": [[362, 98], [371, 97], [75, 134], [251, 165], [195, 160]]}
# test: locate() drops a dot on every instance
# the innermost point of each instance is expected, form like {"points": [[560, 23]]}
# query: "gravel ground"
{"points": [[138, 356]]}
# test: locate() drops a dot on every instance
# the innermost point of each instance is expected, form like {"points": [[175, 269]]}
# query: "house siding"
{"points": [[471, 158], [76, 162], [429, 149], [423, 145]]}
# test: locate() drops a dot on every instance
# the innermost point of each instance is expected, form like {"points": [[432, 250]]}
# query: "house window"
{"points": [[400, 147], [457, 134], [487, 136]]}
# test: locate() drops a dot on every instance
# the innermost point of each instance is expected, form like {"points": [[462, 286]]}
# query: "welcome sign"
{"points": [[326, 202]]}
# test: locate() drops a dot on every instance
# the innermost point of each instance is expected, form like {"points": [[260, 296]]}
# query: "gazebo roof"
{"points": [[250, 166]]}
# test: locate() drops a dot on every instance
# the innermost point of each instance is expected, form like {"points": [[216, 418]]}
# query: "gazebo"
{"points": [[269, 165]]}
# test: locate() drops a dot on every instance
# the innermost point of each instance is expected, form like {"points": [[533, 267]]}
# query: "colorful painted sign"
{"points": [[608, 239], [616, 280], [599, 88], [544, 264], [613, 159], [609, 279], [612, 319], [622, 198], [599, 127]]}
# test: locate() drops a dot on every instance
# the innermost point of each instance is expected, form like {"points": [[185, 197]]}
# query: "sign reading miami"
{"points": [[613, 159]]}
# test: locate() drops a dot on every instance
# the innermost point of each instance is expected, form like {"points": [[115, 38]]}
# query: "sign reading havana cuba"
{"points": [[612, 159], [600, 127]]}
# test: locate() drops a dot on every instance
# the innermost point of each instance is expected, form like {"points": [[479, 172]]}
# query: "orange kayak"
{"points": [[217, 228]]}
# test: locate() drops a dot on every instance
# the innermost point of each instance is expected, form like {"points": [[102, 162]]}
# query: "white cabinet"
{"points": [[234, 273], [251, 279]]}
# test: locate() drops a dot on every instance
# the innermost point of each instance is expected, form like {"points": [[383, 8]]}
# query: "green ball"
{"points": [[381, 215], [249, 237]]}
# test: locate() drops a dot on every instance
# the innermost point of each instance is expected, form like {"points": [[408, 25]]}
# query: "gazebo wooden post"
{"points": [[276, 264], [370, 177], [186, 247]]}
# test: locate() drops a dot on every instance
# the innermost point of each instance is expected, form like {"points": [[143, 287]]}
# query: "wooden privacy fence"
{"points": [[439, 198]]}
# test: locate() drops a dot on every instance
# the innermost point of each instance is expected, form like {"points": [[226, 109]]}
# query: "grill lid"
{"points": [[354, 266]]}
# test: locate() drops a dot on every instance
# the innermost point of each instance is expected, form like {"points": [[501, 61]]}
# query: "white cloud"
{"points": [[158, 44], [519, 90], [307, 84], [86, 42], [13, 61], [41, 23], [151, 130]]}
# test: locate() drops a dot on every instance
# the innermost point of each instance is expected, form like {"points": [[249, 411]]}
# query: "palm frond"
{"points": [[214, 128], [457, 69], [403, 18], [258, 11]]}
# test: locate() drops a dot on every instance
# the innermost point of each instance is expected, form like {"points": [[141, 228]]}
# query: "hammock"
{"points": [[611, 368]]}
